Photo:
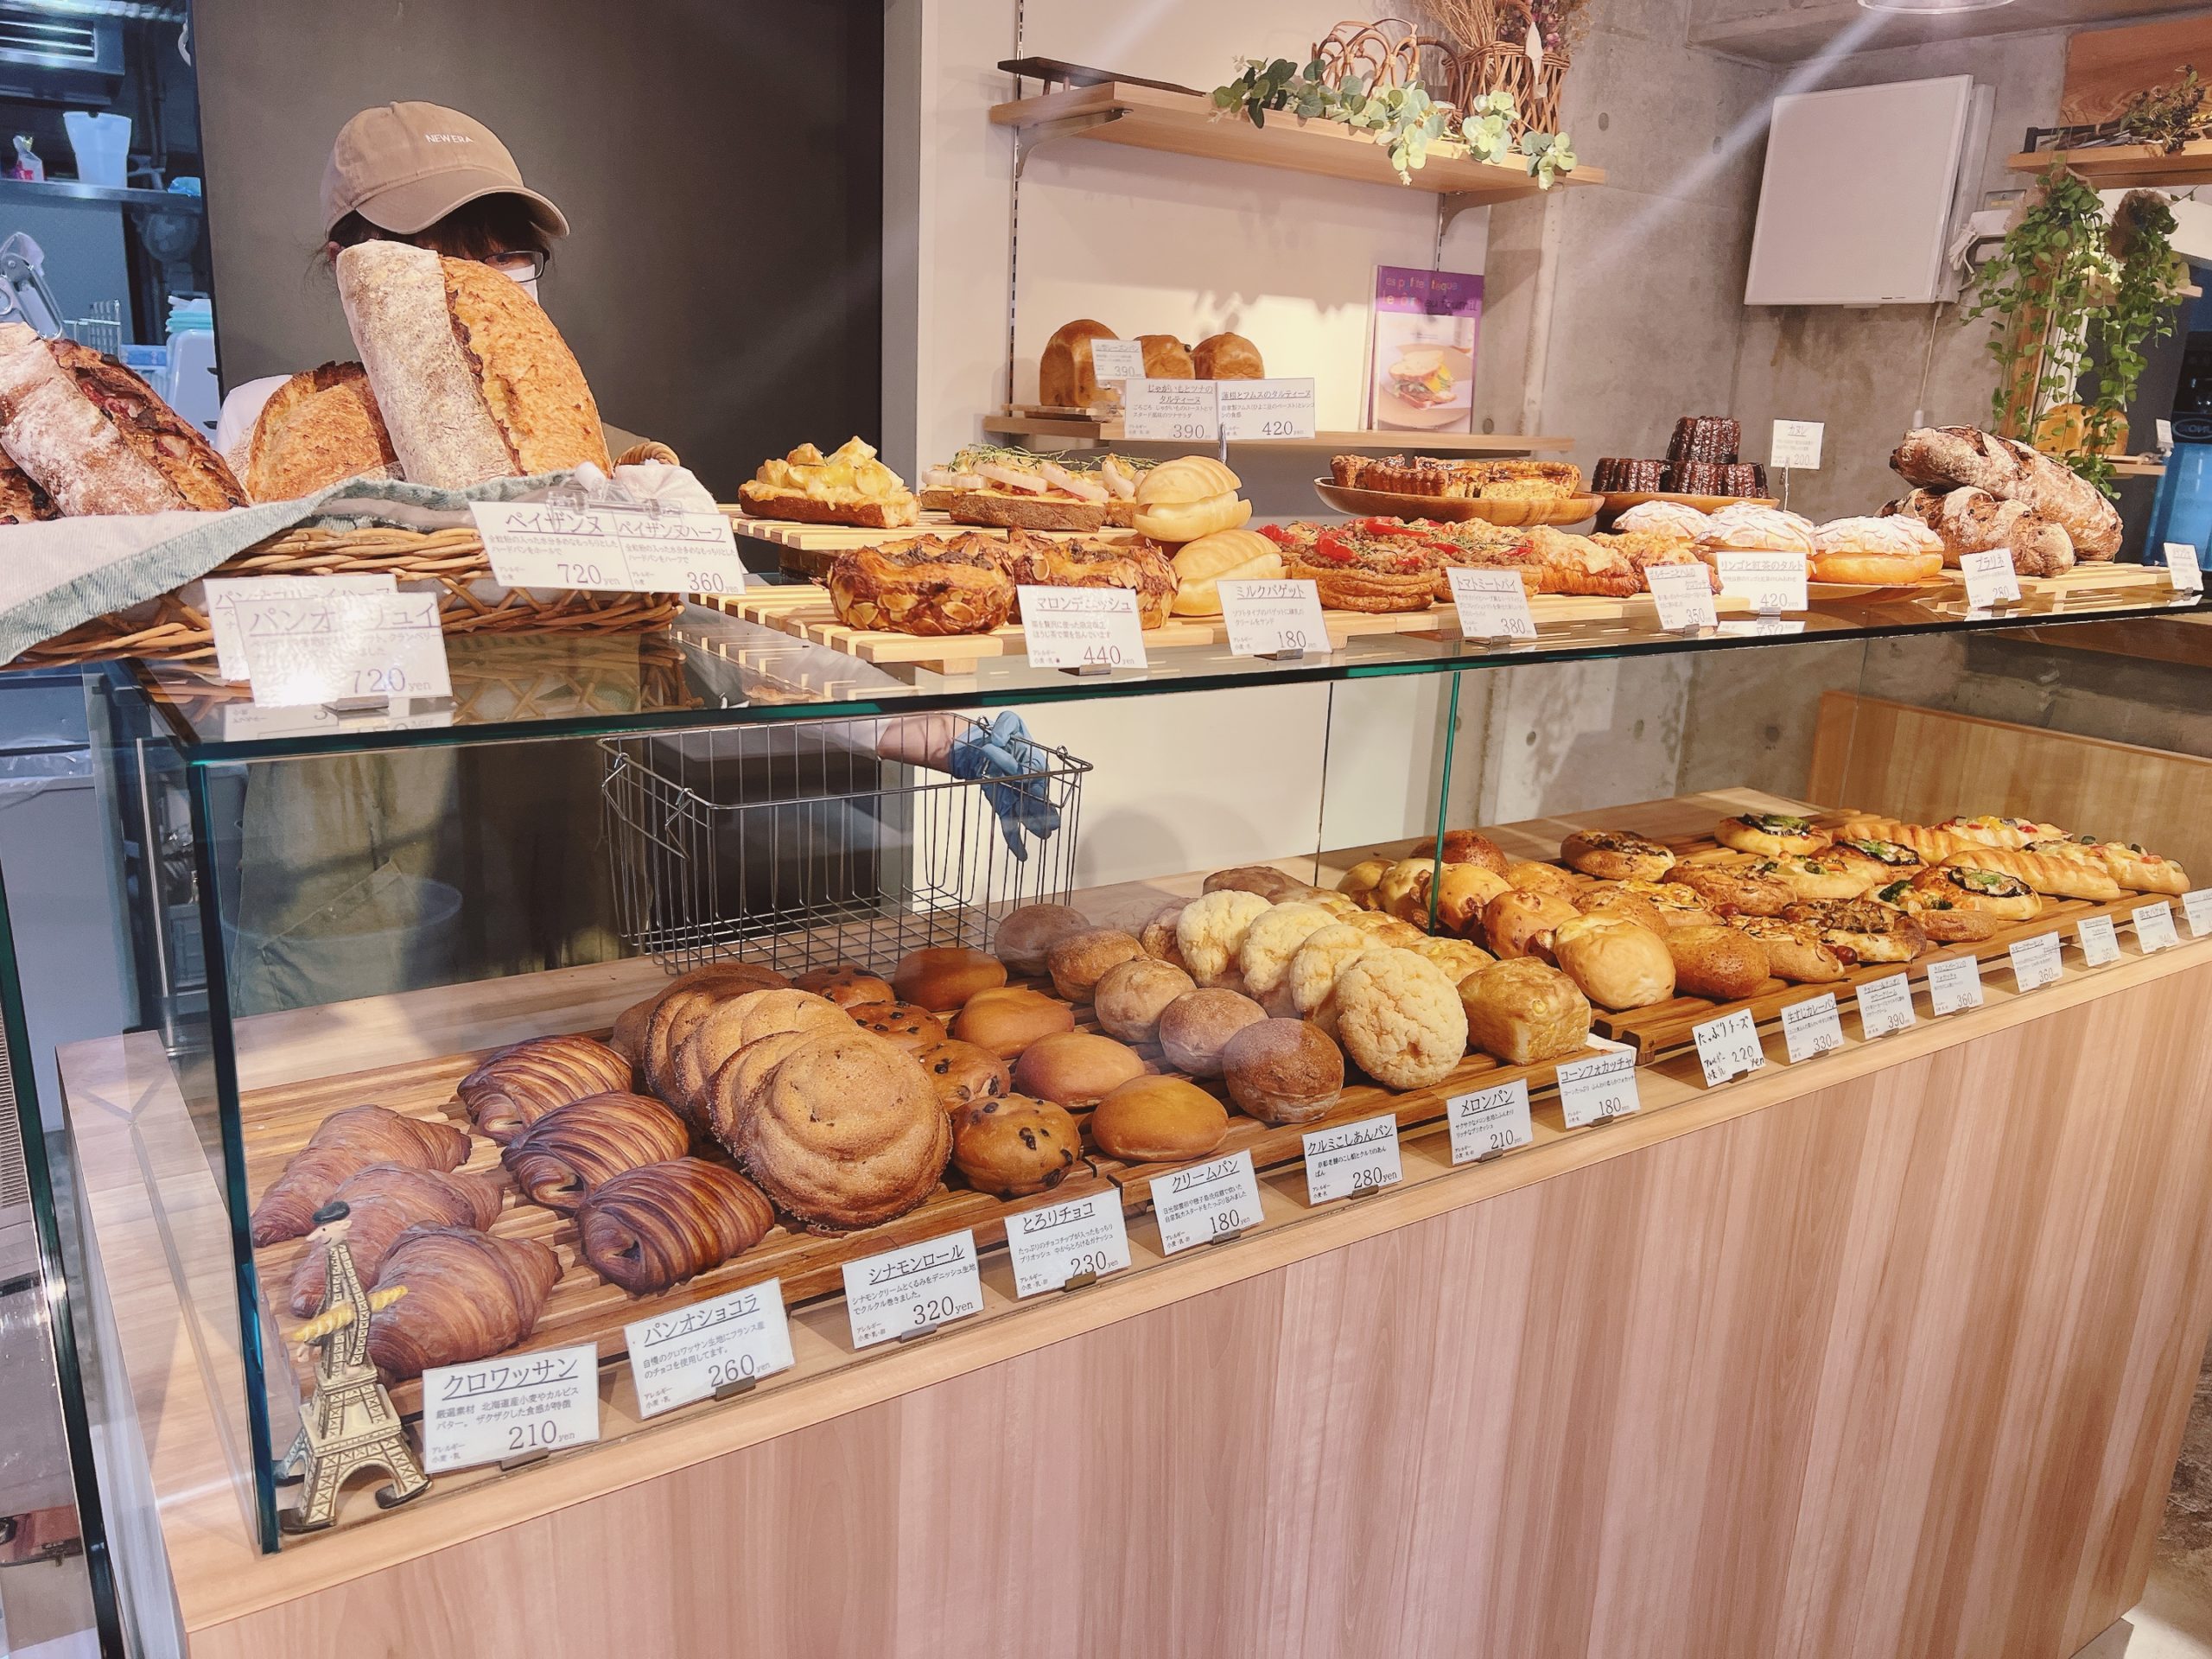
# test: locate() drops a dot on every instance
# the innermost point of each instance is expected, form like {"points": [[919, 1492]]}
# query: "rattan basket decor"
{"points": [[167, 629]]}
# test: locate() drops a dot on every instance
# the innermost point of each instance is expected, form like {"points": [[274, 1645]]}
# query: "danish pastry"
{"points": [[1943, 919], [1615, 855], [1769, 834]]}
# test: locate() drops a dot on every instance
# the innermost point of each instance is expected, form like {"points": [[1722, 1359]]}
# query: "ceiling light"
{"points": [[1932, 8]]}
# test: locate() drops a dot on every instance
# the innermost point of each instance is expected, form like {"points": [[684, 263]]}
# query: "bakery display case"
{"points": [[737, 997]]}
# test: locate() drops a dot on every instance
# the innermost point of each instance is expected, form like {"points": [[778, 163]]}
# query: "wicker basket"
{"points": [[167, 629], [1392, 52]]}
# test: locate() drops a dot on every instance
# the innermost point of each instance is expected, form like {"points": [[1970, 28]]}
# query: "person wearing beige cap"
{"points": [[423, 173]]}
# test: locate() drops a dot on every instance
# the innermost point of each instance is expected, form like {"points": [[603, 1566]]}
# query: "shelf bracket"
{"points": [[1449, 206], [1027, 140]]}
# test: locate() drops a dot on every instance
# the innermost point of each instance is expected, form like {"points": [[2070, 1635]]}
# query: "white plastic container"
{"points": [[102, 144]]}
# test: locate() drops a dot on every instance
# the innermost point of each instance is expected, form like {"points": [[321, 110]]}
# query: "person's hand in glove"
{"points": [[966, 748]]}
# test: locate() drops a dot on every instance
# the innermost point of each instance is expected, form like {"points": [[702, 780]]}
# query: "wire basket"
{"points": [[799, 846]]}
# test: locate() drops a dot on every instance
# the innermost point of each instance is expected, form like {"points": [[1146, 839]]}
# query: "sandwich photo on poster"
{"points": [[1421, 363]]}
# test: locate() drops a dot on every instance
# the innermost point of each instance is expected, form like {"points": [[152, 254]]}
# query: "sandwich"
{"points": [[1008, 488], [321, 427], [471, 376], [96, 438], [1422, 379]]}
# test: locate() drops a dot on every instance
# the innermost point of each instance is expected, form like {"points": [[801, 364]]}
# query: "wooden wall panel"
{"points": [[1925, 764], [1895, 1368], [2104, 67]]}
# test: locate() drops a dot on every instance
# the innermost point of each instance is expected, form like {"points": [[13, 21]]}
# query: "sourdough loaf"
{"points": [[321, 427], [1953, 457]]}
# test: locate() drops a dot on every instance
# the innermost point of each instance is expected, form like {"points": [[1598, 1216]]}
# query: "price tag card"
{"points": [[1205, 1202], [2181, 569], [1173, 411], [686, 1355], [1352, 1157], [336, 646], [1082, 627], [1954, 984], [1762, 628], [1118, 360], [1493, 604], [2197, 906], [609, 547], [1990, 578], [1796, 443], [913, 1289], [1683, 594], [1768, 582], [1266, 409], [1489, 1120], [2154, 926], [1729, 1047], [224, 594], [2099, 941], [1267, 617], [1884, 1005], [1599, 1086], [1060, 1242], [1811, 1028], [2035, 962], [2165, 434], [510, 1408]]}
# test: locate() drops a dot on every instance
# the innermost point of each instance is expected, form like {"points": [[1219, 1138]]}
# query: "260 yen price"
{"points": [[724, 1372]]}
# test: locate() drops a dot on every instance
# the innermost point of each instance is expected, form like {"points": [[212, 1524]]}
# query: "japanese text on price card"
{"points": [[1265, 408], [1060, 1242], [1265, 617], [1599, 1086], [1207, 1201], [1489, 1120], [1348, 1158], [1991, 579], [691, 1352], [1492, 604], [1811, 1028], [1795, 443], [1768, 582], [609, 547], [913, 1289], [514, 1406], [226, 592], [1082, 627], [1729, 1047], [1171, 411], [1884, 1005], [1683, 595], [2035, 962], [1954, 984], [337, 646]]}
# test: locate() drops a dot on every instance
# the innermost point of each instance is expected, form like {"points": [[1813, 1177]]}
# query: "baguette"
{"points": [[2057, 874], [472, 377], [96, 438], [321, 427], [1949, 457]]}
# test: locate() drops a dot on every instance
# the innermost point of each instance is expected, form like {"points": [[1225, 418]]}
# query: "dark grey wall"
{"points": [[720, 163]]}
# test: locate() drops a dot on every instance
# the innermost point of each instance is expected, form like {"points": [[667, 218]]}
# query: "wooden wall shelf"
{"points": [[1093, 429], [2124, 167], [1119, 112]]}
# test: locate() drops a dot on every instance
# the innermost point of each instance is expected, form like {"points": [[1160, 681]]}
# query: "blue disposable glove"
{"points": [[1004, 749]]}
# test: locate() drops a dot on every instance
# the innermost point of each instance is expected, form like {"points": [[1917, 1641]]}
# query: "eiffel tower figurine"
{"points": [[350, 1425]]}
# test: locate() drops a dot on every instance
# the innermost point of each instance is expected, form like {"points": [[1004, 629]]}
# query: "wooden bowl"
{"points": [[1457, 509]]}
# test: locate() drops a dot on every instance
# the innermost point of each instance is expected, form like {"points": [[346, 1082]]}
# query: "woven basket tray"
{"points": [[168, 630]]}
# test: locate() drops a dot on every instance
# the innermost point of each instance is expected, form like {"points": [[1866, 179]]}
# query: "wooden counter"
{"points": [[1885, 1354]]}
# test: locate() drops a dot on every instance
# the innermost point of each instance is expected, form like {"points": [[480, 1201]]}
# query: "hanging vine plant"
{"points": [[2146, 291]]}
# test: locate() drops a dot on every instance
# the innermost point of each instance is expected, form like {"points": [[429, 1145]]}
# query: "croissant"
{"points": [[386, 1199], [469, 1294], [344, 1143], [521, 1083], [645, 1228], [573, 1147], [2058, 875]]}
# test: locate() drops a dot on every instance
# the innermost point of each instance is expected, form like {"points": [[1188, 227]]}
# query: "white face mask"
{"points": [[528, 284]]}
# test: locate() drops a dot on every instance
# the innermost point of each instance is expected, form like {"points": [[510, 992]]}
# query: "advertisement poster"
{"points": [[1421, 363]]}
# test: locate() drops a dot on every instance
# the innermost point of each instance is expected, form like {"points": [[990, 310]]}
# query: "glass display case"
{"points": [[356, 910]]}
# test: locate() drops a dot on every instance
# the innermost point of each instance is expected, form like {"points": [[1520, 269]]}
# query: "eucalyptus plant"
{"points": [[1406, 120]]}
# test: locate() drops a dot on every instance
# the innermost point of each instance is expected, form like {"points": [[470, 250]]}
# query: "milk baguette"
{"points": [[96, 438], [321, 427], [472, 377]]}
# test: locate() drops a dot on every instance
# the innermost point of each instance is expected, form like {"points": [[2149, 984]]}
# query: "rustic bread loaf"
{"points": [[321, 427]]}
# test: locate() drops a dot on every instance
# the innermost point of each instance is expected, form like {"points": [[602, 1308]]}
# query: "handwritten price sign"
{"points": [[689, 1354], [336, 646], [913, 1289], [609, 548], [511, 1407]]}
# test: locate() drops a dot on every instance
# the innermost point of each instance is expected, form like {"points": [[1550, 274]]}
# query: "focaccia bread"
{"points": [[96, 438], [321, 427], [472, 377], [1950, 457]]}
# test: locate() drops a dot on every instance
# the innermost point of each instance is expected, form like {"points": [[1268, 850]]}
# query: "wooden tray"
{"points": [[1456, 510]]}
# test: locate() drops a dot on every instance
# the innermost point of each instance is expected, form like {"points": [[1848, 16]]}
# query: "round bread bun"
{"points": [[962, 1074], [1611, 899], [1359, 882], [1718, 962], [1520, 923], [1462, 893], [1270, 883], [1227, 554], [912, 1027], [1025, 933], [1748, 890], [1263, 960], [1159, 1120], [847, 1134], [1186, 478], [1074, 1067], [1211, 933], [1130, 997], [1316, 964], [943, 977], [1403, 890], [1283, 1071], [1877, 569], [1015, 1146], [1388, 930], [1769, 834], [1158, 936], [1615, 856], [1228, 357], [1400, 1019], [1077, 961], [1526, 875], [1748, 529], [1176, 522], [1196, 1027], [1794, 949], [1457, 957], [1899, 535], [846, 984], [1465, 847], [1677, 521], [1618, 963], [1003, 1022]]}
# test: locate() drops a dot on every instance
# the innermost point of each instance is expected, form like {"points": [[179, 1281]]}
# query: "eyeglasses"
{"points": [[523, 266]]}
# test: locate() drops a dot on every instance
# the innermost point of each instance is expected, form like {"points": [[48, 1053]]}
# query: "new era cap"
{"points": [[403, 167]]}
